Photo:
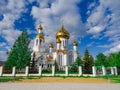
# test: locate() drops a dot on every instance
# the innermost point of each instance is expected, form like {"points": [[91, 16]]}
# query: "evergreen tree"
{"points": [[19, 55], [88, 62], [78, 62], [56, 66]]}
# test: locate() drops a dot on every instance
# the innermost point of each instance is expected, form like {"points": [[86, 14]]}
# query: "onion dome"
{"points": [[49, 58], [58, 40], [63, 33], [51, 45], [75, 43], [40, 27], [40, 36]]}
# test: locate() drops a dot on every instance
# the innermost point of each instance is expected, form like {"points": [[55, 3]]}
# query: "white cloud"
{"points": [[90, 44], [51, 18], [113, 50], [95, 30], [3, 55], [105, 18], [11, 11]]}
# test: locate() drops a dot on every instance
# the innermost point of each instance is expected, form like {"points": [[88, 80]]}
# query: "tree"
{"points": [[117, 61], [56, 66], [111, 59], [88, 62], [78, 62], [19, 55], [101, 60]]}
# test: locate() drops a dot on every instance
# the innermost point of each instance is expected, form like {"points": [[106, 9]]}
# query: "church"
{"points": [[59, 52]]}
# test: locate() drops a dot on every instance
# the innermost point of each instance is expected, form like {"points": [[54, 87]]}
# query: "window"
{"points": [[40, 41], [61, 60], [37, 42]]}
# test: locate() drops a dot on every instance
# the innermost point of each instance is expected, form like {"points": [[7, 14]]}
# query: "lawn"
{"points": [[111, 79]]}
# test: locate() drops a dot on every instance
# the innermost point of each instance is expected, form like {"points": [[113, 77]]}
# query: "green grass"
{"points": [[116, 81], [6, 79]]}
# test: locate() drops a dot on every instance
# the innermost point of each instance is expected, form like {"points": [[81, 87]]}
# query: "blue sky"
{"points": [[95, 23]]}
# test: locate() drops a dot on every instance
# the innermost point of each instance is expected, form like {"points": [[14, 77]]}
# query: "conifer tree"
{"points": [[19, 55], [88, 62], [56, 66]]}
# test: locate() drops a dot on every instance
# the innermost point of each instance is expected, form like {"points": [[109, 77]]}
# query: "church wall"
{"points": [[64, 43]]}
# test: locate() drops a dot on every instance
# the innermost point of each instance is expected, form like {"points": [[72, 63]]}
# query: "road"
{"points": [[58, 86]]}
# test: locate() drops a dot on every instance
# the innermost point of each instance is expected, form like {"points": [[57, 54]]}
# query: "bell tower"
{"points": [[39, 44]]}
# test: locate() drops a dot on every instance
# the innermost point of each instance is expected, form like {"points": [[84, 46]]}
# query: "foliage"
{"points": [[19, 55], [56, 66], [114, 60], [101, 60], [75, 65], [88, 62]]}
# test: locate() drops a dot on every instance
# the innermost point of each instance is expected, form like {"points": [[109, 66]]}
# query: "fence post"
{"points": [[94, 71], [40, 71], [80, 70], [13, 71], [1, 70], [103, 70], [27, 71], [116, 73], [66, 70], [53, 70], [112, 70]]}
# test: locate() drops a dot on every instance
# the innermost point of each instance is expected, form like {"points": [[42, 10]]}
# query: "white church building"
{"points": [[59, 52]]}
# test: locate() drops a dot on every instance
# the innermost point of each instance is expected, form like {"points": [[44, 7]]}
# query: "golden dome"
{"points": [[40, 27], [75, 43], [51, 45], [63, 33], [49, 58], [58, 40], [40, 36]]}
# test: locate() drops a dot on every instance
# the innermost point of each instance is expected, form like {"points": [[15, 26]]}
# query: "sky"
{"points": [[95, 23]]}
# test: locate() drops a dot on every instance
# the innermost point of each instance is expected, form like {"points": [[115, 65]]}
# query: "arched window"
{"points": [[40, 41], [37, 42], [61, 60]]}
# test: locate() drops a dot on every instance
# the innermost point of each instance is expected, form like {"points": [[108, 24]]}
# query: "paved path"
{"points": [[58, 86]]}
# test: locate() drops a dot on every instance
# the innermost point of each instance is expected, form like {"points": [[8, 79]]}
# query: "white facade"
{"points": [[61, 54]]}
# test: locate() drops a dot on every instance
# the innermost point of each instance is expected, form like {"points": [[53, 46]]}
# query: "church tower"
{"points": [[38, 55], [62, 37], [75, 51], [39, 45]]}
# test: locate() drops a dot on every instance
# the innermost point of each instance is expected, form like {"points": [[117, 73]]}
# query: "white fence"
{"points": [[113, 71]]}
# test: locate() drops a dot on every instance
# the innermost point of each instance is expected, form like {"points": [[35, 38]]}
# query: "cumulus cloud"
{"points": [[113, 50], [3, 55], [11, 10], [51, 18]]}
